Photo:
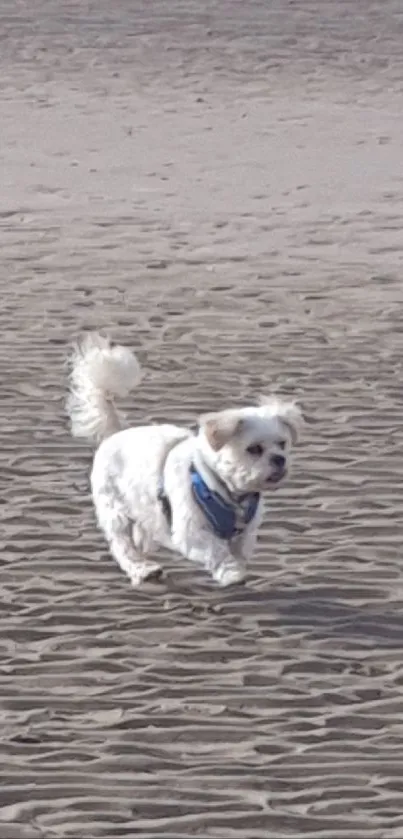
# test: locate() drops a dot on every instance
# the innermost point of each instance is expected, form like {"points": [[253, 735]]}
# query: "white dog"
{"points": [[199, 494]]}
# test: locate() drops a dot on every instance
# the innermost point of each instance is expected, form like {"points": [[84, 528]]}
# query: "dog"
{"points": [[199, 494]]}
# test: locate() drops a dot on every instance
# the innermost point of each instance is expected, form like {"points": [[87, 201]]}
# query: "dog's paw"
{"points": [[230, 575], [145, 570]]}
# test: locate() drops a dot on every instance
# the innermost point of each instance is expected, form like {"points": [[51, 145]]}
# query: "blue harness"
{"points": [[227, 519]]}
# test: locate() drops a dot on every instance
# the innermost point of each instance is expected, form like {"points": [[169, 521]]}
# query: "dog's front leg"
{"points": [[203, 547], [243, 547]]}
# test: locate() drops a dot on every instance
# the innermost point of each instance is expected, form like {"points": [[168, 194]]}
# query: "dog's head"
{"points": [[249, 448]]}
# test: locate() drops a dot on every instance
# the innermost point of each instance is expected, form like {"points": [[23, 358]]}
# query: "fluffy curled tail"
{"points": [[98, 373]]}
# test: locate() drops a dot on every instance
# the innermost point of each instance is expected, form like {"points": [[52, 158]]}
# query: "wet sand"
{"points": [[221, 184]]}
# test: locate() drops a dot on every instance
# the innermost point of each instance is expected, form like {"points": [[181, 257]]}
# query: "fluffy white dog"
{"points": [[199, 494]]}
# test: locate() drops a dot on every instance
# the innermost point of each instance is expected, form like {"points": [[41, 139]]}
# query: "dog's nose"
{"points": [[278, 460]]}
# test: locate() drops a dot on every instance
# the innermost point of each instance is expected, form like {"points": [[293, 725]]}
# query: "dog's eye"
{"points": [[281, 444], [256, 449]]}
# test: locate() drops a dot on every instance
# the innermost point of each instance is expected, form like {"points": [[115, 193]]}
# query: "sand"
{"points": [[221, 184]]}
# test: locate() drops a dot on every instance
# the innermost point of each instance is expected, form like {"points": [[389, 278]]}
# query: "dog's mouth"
{"points": [[276, 477]]}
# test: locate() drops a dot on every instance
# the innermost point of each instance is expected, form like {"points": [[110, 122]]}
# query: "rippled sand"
{"points": [[221, 183]]}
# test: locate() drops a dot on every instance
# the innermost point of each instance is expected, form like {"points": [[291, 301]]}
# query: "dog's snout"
{"points": [[278, 461]]}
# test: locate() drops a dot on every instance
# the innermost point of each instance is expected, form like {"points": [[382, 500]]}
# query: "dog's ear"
{"points": [[221, 427], [289, 413]]}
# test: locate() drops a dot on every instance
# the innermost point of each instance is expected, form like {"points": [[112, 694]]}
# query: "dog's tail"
{"points": [[99, 371]]}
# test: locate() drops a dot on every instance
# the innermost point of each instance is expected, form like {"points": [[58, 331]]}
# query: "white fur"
{"points": [[98, 373], [129, 464]]}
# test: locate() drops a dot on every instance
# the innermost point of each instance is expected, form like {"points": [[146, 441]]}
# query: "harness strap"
{"points": [[165, 502], [226, 518]]}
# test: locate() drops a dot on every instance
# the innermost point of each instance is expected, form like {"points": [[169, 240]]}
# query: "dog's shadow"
{"points": [[325, 611], [320, 610]]}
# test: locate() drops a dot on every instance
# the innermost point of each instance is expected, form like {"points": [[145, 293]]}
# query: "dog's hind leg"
{"points": [[118, 531]]}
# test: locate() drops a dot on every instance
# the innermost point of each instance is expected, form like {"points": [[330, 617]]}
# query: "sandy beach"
{"points": [[221, 185]]}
